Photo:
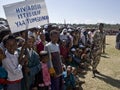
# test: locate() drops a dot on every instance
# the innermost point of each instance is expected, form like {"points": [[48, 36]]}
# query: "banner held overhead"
{"points": [[30, 13]]}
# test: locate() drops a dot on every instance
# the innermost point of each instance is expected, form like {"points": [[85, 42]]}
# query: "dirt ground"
{"points": [[109, 67]]}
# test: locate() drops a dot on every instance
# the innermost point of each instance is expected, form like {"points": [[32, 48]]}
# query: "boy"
{"points": [[55, 66], [12, 64], [33, 65]]}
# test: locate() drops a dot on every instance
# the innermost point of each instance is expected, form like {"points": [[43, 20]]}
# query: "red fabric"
{"points": [[14, 81], [3, 81], [40, 46], [64, 51]]}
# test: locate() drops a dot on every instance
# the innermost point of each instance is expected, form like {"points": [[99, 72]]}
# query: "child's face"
{"points": [[2, 55], [45, 59], [64, 43], [70, 59], [11, 46], [30, 42], [54, 38], [42, 37], [68, 72]]}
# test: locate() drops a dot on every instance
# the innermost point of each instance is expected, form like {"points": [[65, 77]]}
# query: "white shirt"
{"points": [[53, 47], [30, 51], [63, 37], [14, 69]]}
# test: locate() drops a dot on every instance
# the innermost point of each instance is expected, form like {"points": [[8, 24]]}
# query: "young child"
{"points": [[64, 50], [41, 44], [42, 79], [33, 66], [78, 82], [12, 64], [3, 72], [55, 63], [70, 61], [69, 80]]}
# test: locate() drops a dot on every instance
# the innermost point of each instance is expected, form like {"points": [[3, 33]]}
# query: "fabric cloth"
{"points": [[34, 66], [42, 78], [57, 83], [70, 81], [56, 64], [55, 60], [40, 46], [64, 51], [46, 75], [10, 63], [15, 86], [117, 46], [98, 39], [3, 77]]}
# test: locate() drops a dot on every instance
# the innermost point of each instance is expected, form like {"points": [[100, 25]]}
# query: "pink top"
{"points": [[46, 75]]}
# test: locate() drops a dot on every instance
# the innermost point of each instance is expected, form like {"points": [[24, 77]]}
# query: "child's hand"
{"points": [[24, 60], [83, 56], [27, 70], [53, 74], [25, 45], [34, 88]]}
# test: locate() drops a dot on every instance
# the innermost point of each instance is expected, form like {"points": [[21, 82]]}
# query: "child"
{"points": [[64, 50], [78, 83], [12, 64], [33, 66], [55, 64], [41, 44], [42, 79], [69, 80], [70, 61], [3, 72]]}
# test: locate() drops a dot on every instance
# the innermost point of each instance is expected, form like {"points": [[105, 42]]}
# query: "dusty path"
{"points": [[110, 70]]}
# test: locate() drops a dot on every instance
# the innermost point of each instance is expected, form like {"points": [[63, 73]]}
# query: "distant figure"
{"points": [[104, 42], [97, 47], [118, 40]]}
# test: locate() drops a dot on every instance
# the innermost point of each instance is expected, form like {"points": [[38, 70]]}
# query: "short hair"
{"points": [[43, 54], [101, 24], [53, 32], [8, 37]]}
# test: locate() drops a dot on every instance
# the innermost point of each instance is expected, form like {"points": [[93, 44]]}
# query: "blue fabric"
{"points": [[64, 74], [35, 66], [77, 60], [3, 75], [70, 81]]}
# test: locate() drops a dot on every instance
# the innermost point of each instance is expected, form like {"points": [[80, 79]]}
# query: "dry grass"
{"points": [[110, 70]]}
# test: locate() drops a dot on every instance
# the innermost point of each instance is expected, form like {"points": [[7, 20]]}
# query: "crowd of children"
{"points": [[49, 58]]}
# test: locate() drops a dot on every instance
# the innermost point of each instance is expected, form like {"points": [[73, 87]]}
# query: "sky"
{"points": [[78, 11]]}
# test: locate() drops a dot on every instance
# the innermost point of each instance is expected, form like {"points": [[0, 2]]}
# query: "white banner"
{"points": [[26, 14]]}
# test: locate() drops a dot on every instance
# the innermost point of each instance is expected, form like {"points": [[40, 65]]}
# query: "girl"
{"points": [[42, 79], [64, 50]]}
